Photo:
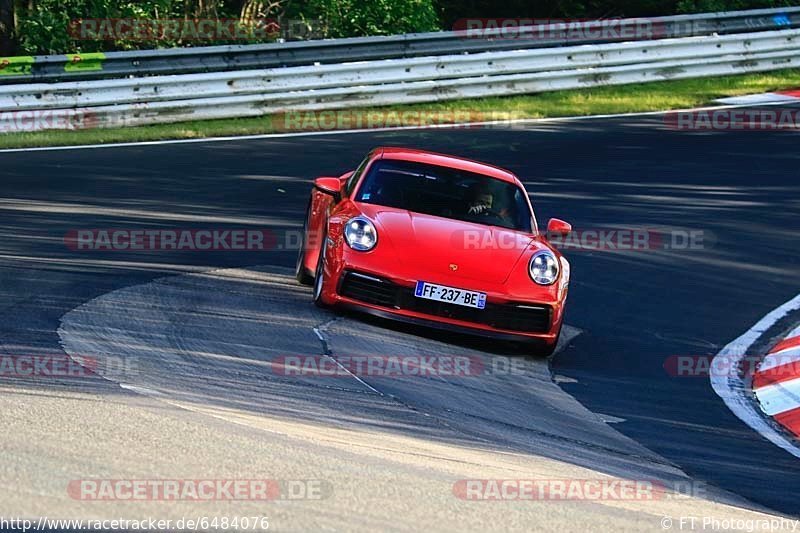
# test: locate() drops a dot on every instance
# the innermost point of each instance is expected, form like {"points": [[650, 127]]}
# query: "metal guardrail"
{"points": [[284, 85], [164, 99], [244, 57]]}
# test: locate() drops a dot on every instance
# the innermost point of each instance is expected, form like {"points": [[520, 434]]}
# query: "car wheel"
{"points": [[300, 272], [319, 278]]}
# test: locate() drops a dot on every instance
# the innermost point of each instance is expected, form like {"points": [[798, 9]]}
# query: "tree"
{"points": [[7, 28], [355, 18]]}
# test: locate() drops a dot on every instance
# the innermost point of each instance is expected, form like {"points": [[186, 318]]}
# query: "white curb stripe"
{"points": [[784, 357], [779, 398], [735, 393], [755, 99]]}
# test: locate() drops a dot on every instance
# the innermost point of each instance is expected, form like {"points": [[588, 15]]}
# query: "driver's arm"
{"points": [[477, 209]]}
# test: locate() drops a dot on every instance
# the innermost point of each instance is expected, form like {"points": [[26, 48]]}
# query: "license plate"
{"points": [[451, 295]]}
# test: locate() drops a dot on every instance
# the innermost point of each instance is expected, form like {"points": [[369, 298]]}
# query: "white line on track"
{"points": [[521, 121], [324, 342], [732, 389]]}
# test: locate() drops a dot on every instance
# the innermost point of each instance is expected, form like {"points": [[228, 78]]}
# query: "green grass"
{"points": [[657, 96]]}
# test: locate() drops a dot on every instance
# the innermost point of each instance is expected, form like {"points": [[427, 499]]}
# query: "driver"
{"points": [[482, 203], [482, 200]]}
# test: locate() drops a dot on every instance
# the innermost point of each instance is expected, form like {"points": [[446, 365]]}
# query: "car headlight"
{"points": [[360, 234], [543, 268]]}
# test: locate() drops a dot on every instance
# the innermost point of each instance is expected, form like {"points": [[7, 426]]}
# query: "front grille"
{"points": [[513, 317], [522, 318], [368, 289]]}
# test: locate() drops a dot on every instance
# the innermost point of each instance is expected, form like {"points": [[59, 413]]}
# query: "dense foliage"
{"points": [[453, 10], [58, 26]]}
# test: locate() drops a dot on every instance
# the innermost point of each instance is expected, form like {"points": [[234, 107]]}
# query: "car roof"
{"points": [[433, 158]]}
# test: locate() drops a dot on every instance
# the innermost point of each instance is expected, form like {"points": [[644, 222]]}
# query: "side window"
{"points": [[352, 180]]}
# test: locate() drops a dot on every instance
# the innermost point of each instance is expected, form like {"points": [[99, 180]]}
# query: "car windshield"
{"points": [[446, 192]]}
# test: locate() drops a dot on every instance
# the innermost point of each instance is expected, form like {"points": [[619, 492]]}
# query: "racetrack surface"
{"points": [[633, 310]]}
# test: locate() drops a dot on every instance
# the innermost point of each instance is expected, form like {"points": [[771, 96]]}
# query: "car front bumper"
{"points": [[394, 299]]}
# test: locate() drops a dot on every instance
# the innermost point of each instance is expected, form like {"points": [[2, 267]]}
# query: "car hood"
{"points": [[426, 244]]}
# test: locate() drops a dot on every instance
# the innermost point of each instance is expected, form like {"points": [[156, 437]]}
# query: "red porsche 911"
{"points": [[435, 240]]}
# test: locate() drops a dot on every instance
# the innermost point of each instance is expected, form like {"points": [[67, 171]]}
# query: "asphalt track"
{"points": [[633, 309]]}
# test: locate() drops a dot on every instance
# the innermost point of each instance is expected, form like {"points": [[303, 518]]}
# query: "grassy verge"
{"points": [[658, 96]]}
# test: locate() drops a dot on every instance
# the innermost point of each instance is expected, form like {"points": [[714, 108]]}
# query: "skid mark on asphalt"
{"points": [[216, 340], [327, 352]]}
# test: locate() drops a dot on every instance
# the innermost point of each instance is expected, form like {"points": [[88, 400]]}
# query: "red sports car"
{"points": [[435, 240]]}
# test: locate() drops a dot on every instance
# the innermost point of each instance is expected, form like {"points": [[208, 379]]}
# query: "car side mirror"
{"points": [[557, 227], [332, 186]]}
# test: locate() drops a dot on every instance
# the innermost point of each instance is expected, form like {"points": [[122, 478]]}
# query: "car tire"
{"points": [[300, 272], [319, 277]]}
